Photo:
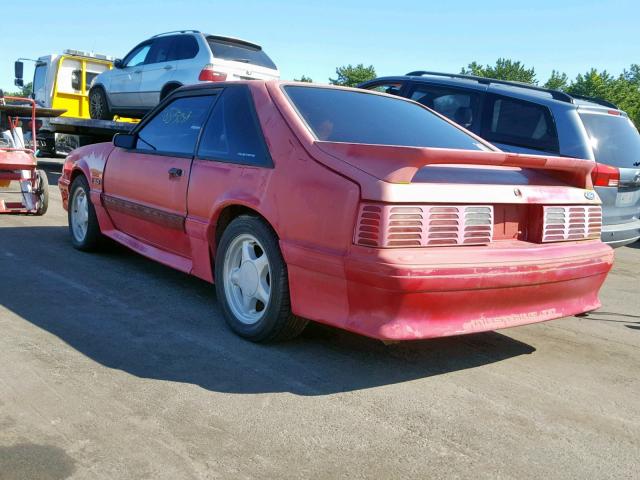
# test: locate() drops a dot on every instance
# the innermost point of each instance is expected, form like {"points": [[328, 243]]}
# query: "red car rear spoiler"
{"points": [[396, 164]]}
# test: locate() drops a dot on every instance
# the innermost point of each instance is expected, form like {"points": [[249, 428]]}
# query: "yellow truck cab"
{"points": [[62, 81]]}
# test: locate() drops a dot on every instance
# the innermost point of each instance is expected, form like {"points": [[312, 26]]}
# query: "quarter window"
{"points": [[519, 123], [174, 130], [233, 134], [460, 106]]}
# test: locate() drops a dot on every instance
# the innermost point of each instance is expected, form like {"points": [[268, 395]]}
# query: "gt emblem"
{"points": [[589, 195]]}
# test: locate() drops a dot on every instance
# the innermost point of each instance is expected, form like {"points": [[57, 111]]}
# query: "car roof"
{"points": [[513, 89]]}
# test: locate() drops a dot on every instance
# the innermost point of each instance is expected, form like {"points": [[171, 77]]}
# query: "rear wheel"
{"points": [[42, 190], [252, 283], [98, 106], [166, 91], [83, 222]]}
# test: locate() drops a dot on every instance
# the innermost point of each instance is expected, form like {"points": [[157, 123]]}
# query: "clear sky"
{"points": [[314, 37]]}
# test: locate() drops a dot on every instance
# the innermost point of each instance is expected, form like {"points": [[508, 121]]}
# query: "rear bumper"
{"points": [[621, 234], [423, 293]]}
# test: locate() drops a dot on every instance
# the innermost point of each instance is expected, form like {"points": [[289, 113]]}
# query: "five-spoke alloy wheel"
{"points": [[252, 284], [83, 223]]}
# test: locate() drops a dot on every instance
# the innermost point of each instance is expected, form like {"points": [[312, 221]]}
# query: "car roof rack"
{"points": [[599, 101], [556, 94], [176, 31]]}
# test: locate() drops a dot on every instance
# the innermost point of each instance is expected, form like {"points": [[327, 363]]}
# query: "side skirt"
{"points": [[161, 256]]}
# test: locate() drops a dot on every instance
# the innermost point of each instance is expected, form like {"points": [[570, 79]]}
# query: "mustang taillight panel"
{"points": [[573, 222], [389, 226]]}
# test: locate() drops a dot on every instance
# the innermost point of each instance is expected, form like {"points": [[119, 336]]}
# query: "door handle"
{"points": [[137, 71], [175, 172], [167, 67]]}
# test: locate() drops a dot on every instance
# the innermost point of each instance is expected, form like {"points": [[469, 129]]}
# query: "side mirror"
{"points": [[18, 68], [118, 63], [125, 140]]}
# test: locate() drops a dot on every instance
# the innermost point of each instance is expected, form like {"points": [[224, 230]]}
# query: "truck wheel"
{"points": [[98, 106], [83, 222], [252, 285], [43, 192]]}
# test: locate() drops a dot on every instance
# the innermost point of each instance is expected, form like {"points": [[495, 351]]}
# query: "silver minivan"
{"points": [[159, 65]]}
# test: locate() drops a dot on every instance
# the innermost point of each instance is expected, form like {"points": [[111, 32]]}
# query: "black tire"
{"points": [[277, 323], [43, 192], [98, 105], [166, 91], [93, 238]]}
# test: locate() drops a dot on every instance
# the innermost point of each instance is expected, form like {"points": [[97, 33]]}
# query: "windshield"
{"points": [[39, 91], [359, 117], [614, 139], [239, 52]]}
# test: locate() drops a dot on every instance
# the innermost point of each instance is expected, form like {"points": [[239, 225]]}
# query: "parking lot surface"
{"points": [[114, 367]]}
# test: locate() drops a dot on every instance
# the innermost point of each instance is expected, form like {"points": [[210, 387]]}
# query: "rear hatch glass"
{"points": [[237, 51], [347, 116], [614, 139]]}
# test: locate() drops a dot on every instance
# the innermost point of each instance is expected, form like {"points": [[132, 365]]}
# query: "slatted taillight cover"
{"points": [[388, 226], [564, 223]]}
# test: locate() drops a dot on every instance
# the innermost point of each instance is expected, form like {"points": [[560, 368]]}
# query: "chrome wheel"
{"points": [[95, 104], [79, 214], [247, 279]]}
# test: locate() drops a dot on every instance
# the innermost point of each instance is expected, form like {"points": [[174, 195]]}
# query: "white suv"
{"points": [[157, 66]]}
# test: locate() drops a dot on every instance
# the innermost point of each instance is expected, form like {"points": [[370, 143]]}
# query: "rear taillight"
{"points": [[397, 226], [605, 176], [571, 222], [208, 74]]}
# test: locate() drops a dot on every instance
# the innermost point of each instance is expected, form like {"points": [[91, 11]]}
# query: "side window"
{"points": [[233, 133], [392, 88], [463, 107], [137, 56], [519, 123], [174, 129], [160, 48], [184, 47]]}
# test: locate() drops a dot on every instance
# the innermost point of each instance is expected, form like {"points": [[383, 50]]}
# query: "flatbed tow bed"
{"points": [[85, 126], [71, 133]]}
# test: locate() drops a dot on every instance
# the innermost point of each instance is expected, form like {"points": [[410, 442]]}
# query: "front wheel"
{"points": [[83, 222], [252, 283]]}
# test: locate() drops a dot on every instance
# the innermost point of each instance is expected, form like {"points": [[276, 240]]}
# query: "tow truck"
{"points": [[61, 82]]}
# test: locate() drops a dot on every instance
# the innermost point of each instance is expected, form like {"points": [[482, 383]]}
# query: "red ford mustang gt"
{"points": [[352, 208]]}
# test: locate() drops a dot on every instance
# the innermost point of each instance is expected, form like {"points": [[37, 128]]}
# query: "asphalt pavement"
{"points": [[115, 367]]}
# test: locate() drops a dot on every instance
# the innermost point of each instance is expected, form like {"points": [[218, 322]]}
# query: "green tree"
{"points": [[592, 84], [504, 69], [350, 76], [303, 78], [557, 81], [623, 91], [24, 91]]}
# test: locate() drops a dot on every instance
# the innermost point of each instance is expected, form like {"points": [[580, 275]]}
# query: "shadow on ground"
{"points": [[598, 315], [37, 462], [129, 313]]}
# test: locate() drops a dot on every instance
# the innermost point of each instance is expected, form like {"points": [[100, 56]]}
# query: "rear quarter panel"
{"points": [[309, 206]]}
